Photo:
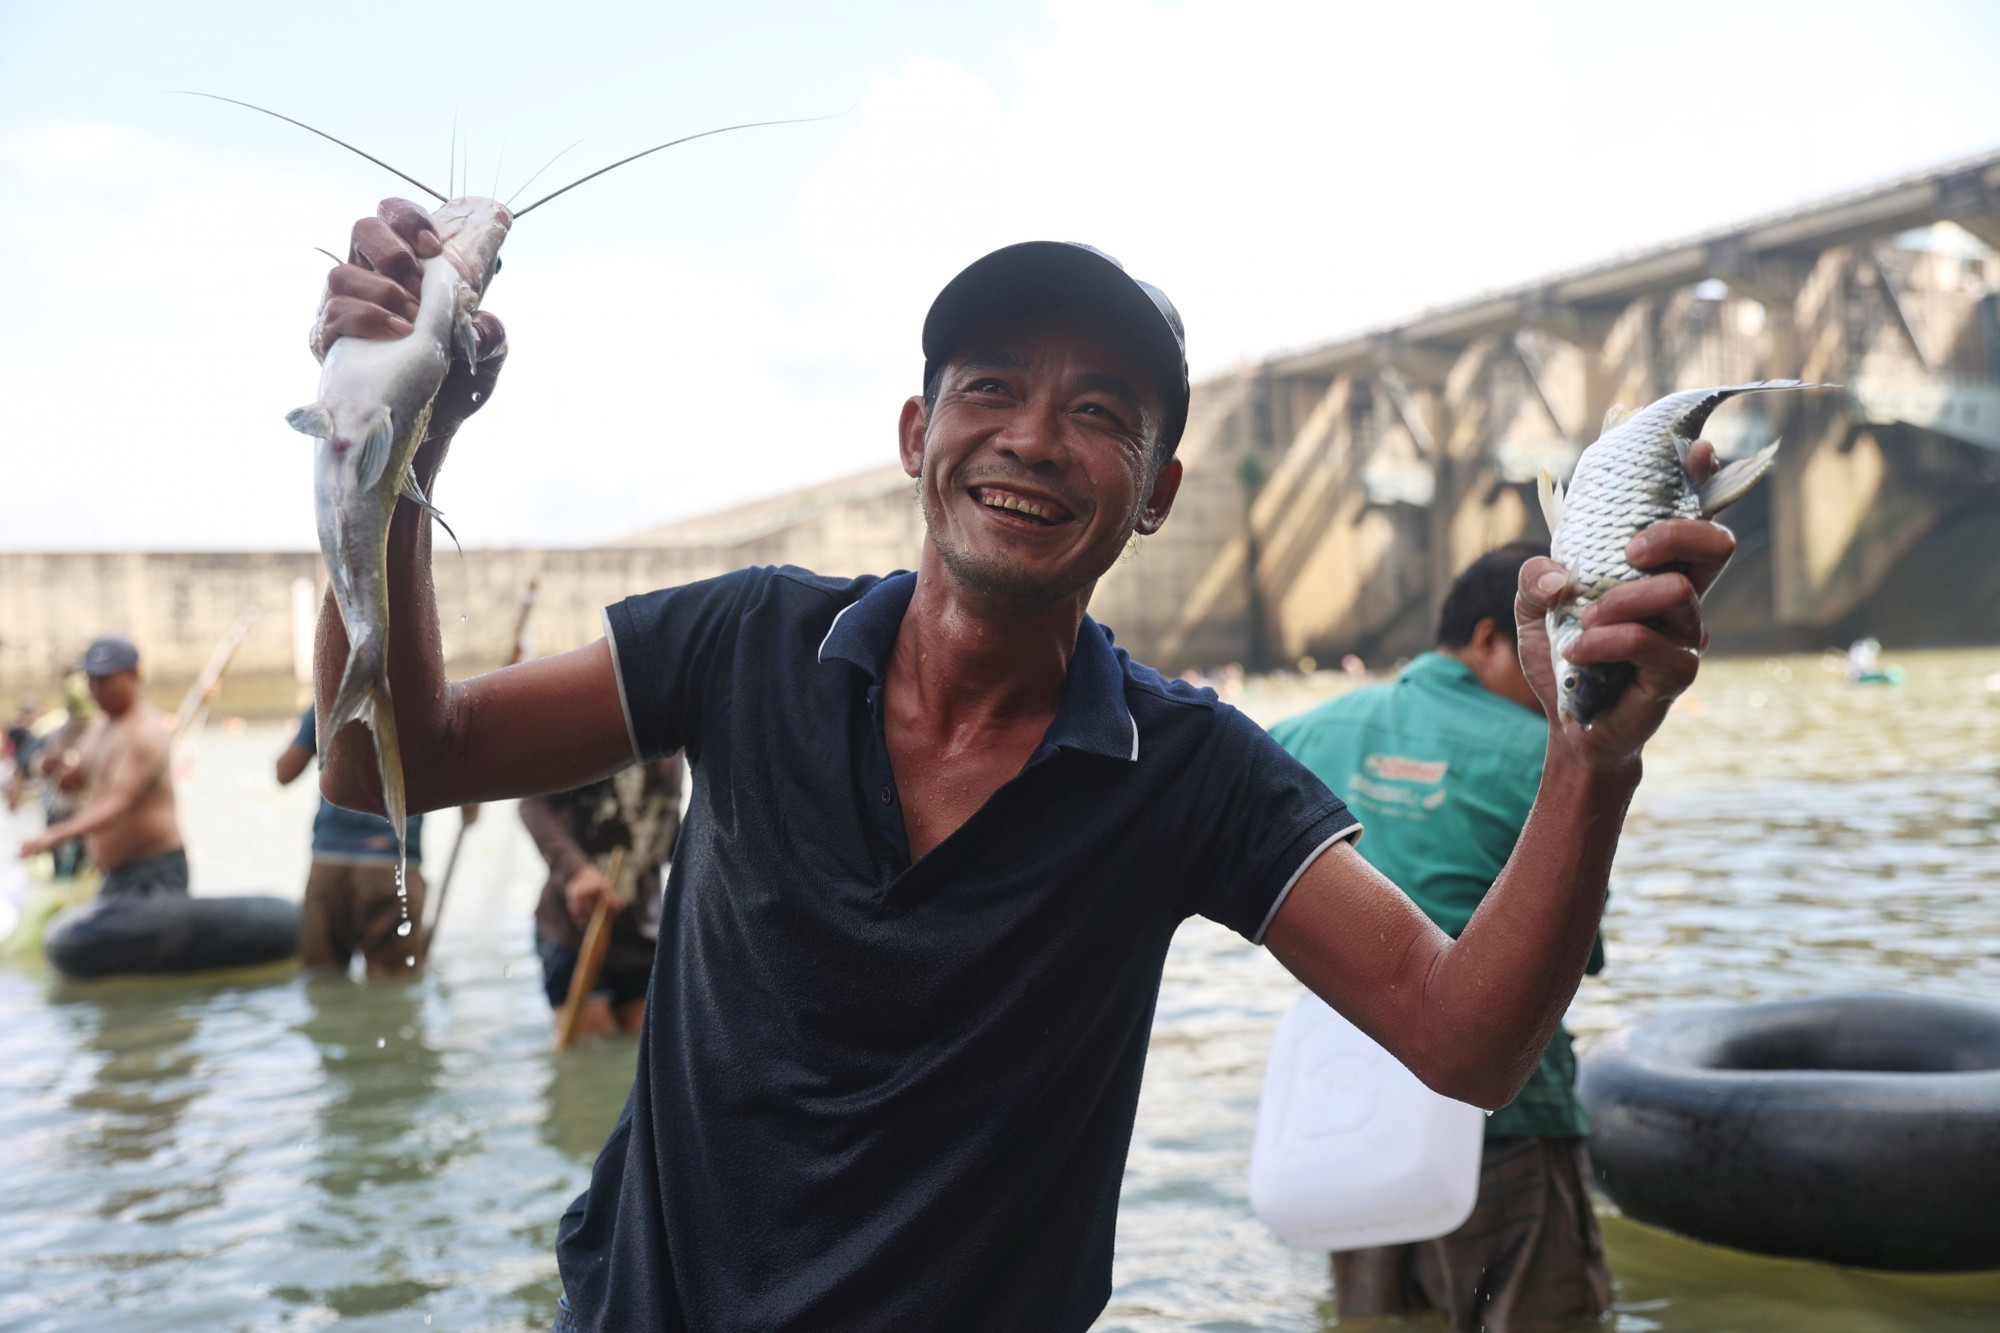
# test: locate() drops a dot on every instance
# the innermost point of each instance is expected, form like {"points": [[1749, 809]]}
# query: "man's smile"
{"points": [[1041, 511]]}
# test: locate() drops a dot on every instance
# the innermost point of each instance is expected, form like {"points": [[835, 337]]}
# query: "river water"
{"points": [[284, 1155]]}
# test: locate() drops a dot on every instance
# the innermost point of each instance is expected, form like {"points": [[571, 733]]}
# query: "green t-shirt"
{"points": [[1442, 773]]}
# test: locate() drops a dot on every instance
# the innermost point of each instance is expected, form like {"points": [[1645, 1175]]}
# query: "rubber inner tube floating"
{"points": [[162, 932], [1862, 1130]]}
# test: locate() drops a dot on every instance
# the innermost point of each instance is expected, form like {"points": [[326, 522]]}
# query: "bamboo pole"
{"points": [[589, 959], [193, 712]]}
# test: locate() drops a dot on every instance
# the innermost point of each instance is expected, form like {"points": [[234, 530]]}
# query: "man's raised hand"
{"points": [[1655, 623], [375, 294]]}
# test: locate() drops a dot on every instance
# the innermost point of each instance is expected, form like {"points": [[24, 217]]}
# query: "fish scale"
{"points": [[1633, 476]]}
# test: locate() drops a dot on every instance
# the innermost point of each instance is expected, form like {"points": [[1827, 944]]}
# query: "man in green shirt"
{"points": [[1442, 768]]}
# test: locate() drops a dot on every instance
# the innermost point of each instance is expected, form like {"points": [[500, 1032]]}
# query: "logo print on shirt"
{"points": [[1401, 768]]}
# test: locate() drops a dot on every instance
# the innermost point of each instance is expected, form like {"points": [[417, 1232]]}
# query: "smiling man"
{"points": [[944, 831]]}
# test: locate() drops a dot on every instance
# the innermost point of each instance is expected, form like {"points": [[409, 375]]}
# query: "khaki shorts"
{"points": [[352, 909], [1530, 1256]]}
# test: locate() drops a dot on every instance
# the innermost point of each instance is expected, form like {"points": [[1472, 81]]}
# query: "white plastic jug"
{"points": [[1351, 1150]]}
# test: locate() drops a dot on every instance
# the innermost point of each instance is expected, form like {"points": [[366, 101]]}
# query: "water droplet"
{"points": [[381, 1042], [403, 929], [409, 960], [461, 620]]}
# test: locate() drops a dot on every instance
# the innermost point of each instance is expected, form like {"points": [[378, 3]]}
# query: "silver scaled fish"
{"points": [[375, 399], [1635, 475]]}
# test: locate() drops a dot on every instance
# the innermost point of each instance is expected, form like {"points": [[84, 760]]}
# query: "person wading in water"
{"points": [[1443, 766], [351, 905], [578, 832], [943, 831], [120, 763]]}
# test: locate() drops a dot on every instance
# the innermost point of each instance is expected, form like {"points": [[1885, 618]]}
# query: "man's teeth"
{"points": [[995, 501]]}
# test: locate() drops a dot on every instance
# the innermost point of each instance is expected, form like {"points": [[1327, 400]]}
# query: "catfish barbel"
{"points": [[1635, 475], [374, 407]]}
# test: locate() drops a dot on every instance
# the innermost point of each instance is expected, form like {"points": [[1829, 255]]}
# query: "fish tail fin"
{"points": [[389, 761], [1550, 492], [1697, 414], [352, 700], [363, 697], [1735, 481]]}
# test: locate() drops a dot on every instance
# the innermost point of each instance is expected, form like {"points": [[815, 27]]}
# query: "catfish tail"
{"points": [[364, 697]]}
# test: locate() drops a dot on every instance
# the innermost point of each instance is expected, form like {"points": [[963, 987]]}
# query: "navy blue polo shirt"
{"points": [[873, 1094]]}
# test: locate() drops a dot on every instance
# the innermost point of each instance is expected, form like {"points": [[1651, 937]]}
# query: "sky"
{"points": [[739, 316]]}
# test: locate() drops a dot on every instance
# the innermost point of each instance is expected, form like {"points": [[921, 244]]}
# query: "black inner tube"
{"points": [[1857, 1129], [171, 932], [1868, 1041]]}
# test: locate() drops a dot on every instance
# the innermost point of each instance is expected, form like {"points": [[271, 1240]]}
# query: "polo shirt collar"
{"points": [[1442, 667], [864, 632], [1093, 716]]}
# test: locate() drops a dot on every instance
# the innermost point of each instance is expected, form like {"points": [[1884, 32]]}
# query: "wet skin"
{"points": [[121, 763], [1049, 412], [1055, 419]]}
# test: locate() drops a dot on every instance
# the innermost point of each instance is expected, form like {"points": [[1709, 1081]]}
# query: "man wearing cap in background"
{"points": [[120, 764], [944, 831]]}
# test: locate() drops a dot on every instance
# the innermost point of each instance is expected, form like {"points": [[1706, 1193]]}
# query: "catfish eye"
{"points": [[496, 263], [1569, 681]]}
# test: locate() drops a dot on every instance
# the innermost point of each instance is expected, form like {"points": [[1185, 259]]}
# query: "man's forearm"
{"points": [[553, 839], [87, 820], [1499, 992]]}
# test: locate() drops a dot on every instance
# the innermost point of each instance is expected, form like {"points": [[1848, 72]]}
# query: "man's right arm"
{"points": [[1471, 1017], [546, 725]]}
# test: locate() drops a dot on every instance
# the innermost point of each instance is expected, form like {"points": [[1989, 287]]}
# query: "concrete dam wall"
{"points": [[1331, 494]]}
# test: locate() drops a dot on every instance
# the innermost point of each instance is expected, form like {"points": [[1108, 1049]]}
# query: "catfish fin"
{"points": [[1550, 491], [353, 699], [1735, 481], [1614, 416], [363, 697], [312, 419], [375, 448], [415, 494], [468, 341]]}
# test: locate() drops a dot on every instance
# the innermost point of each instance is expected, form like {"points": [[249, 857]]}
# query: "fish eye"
{"points": [[496, 263], [1569, 681]]}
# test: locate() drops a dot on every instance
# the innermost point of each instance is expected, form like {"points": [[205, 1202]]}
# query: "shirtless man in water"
{"points": [[120, 762]]}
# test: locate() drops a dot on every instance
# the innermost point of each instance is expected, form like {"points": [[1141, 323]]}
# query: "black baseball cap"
{"points": [[1037, 275], [108, 656]]}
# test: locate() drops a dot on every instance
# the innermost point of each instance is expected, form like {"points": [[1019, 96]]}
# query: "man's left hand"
{"points": [[1655, 623]]}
